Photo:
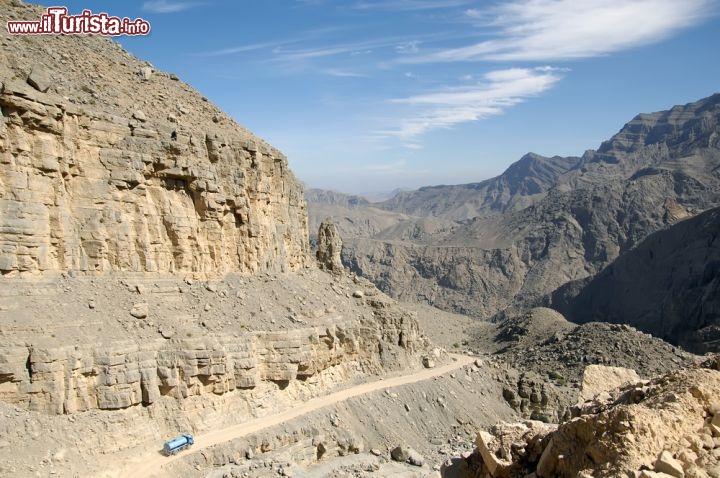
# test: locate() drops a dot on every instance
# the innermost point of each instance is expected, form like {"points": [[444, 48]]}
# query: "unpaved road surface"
{"points": [[151, 464]]}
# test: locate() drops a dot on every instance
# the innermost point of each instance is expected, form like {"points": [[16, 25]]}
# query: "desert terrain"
{"points": [[162, 271]]}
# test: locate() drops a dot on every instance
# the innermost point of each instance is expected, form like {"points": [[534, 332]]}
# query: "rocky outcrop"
{"points": [[664, 427], [106, 170], [668, 286], [329, 247], [522, 184], [124, 374], [334, 198], [599, 378], [566, 353]]}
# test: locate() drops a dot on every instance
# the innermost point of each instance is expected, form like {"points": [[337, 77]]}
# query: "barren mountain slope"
{"points": [[668, 286], [154, 267], [522, 184], [109, 165]]}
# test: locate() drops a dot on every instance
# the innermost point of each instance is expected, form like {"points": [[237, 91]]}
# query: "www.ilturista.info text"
{"points": [[57, 22]]}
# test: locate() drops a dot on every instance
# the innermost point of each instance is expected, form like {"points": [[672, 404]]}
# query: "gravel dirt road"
{"points": [[151, 464]]}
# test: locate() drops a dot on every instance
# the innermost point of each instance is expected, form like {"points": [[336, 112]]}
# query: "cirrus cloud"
{"points": [[499, 90], [552, 30]]}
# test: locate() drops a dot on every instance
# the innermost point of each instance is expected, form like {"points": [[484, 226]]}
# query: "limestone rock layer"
{"points": [[113, 170]]}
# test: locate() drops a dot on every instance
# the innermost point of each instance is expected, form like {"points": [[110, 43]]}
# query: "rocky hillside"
{"points": [[667, 426], [353, 215], [660, 168], [155, 275], [111, 165], [523, 183], [669, 286]]}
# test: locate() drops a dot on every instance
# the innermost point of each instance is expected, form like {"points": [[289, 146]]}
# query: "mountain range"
{"points": [[546, 226]]}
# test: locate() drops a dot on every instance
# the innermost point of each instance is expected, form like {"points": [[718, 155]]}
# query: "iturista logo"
{"points": [[56, 21]]}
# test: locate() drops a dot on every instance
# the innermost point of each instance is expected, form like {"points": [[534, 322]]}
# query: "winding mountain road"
{"points": [[152, 463]]}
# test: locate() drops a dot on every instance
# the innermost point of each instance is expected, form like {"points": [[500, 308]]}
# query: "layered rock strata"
{"points": [[110, 165]]}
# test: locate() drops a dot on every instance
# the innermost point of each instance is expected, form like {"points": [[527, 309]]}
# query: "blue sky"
{"points": [[371, 95]]}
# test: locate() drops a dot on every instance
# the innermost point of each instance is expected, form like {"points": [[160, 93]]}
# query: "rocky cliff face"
{"points": [[72, 379], [659, 169], [231, 337], [669, 286], [329, 247], [108, 165]]}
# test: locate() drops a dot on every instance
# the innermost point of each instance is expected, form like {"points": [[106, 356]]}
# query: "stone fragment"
{"points": [[653, 474], [415, 458], [428, 362], [40, 78], [358, 294], [139, 115], [375, 451], [400, 453], [665, 463], [146, 73], [140, 310], [495, 465], [600, 378]]}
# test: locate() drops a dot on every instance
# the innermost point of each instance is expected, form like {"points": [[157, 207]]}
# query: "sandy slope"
{"points": [[151, 464]]}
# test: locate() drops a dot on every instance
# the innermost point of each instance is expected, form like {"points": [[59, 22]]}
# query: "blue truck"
{"points": [[177, 444]]}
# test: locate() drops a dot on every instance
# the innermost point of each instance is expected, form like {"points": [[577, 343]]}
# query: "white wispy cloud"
{"points": [[409, 5], [340, 73], [361, 48], [165, 6], [499, 90], [412, 46], [551, 30], [240, 49]]}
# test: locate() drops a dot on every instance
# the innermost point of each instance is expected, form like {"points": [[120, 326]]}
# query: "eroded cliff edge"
{"points": [[109, 165]]}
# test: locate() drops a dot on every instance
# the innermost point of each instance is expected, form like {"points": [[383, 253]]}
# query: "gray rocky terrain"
{"points": [[522, 184], [669, 286], [156, 278], [557, 221]]}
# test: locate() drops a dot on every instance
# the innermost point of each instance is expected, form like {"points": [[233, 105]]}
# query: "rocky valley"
{"points": [[541, 231], [157, 278]]}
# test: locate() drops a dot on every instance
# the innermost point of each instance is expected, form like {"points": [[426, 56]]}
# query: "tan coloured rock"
{"points": [[665, 463], [40, 78], [600, 378], [97, 188], [329, 247], [667, 416], [77, 378], [497, 467], [140, 310]]}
